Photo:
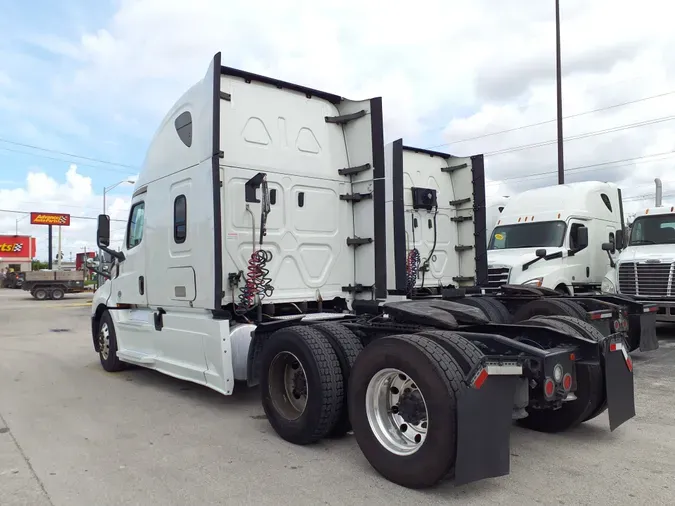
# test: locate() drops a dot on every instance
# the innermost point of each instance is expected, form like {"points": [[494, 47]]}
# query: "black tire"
{"points": [[466, 354], [439, 379], [578, 309], [347, 347], [590, 390], [58, 293], [543, 307], [587, 330], [40, 294], [506, 317], [108, 346], [562, 290], [323, 384], [489, 310]]}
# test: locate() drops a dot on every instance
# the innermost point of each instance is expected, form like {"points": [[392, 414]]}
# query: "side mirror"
{"points": [[607, 246], [582, 238], [103, 231], [619, 239], [541, 253]]}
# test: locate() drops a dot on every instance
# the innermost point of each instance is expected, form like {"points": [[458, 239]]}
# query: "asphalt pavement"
{"points": [[72, 434]]}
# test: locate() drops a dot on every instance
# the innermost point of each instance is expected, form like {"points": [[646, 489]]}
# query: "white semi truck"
{"points": [[645, 268], [442, 252], [552, 237], [263, 246]]}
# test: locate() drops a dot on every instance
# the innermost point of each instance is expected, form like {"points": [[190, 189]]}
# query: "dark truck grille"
{"points": [[498, 276], [645, 279]]}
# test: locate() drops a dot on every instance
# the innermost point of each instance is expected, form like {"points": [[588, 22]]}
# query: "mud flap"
{"points": [[484, 430], [648, 339], [619, 385]]}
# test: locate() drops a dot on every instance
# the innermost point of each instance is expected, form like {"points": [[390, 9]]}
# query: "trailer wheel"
{"points": [[590, 392], [347, 347], [493, 310], [107, 345], [57, 293], [40, 294], [403, 407], [543, 307], [302, 385]]}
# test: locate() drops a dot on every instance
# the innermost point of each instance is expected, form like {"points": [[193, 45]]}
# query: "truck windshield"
{"points": [[528, 235], [658, 229]]}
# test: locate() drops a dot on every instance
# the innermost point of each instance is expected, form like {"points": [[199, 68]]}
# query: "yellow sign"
{"points": [[499, 237]]}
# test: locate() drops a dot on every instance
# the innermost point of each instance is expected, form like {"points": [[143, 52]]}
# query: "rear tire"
{"points": [[302, 386], [590, 390], [493, 310], [587, 330], [347, 347], [466, 354], [544, 307], [415, 445], [40, 294], [57, 293]]}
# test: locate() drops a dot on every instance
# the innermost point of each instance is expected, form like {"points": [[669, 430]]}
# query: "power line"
{"points": [[607, 108], [581, 136], [98, 160], [67, 161], [71, 216], [580, 168]]}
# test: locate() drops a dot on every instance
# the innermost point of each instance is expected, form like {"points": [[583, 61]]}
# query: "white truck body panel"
{"points": [[546, 218], [645, 269], [191, 228], [452, 245]]}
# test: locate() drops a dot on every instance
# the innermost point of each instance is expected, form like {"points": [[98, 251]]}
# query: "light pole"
{"points": [[17, 223], [106, 189], [561, 161]]}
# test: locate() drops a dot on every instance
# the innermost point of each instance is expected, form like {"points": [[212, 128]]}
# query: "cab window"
{"points": [[135, 226]]}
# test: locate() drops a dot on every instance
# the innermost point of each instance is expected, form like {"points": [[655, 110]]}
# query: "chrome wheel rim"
{"points": [[397, 412], [104, 341], [287, 385]]}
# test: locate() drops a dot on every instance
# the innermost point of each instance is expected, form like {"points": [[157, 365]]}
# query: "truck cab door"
{"points": [[129, 286], [578, 259]]}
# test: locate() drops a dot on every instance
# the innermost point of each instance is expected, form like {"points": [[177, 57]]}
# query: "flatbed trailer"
{"points": [[44, 285], [258, 252]]}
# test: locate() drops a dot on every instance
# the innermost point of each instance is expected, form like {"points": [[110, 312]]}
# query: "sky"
{"points": [[83, 86]]}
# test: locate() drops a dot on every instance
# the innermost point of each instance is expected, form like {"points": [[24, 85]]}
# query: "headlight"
{"points": [[607, 286], [534, 282]]}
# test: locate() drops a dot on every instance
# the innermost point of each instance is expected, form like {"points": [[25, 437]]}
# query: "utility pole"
{"points": [[561, 160]]}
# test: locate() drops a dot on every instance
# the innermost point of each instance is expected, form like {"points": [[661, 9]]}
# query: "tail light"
{"points": [[549, 387]]}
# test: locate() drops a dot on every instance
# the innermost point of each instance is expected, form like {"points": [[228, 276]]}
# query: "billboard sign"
{"points": [[16, 246], [57, 219]]}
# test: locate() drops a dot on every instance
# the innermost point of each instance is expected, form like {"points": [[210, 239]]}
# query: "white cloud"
{"points": [[74, 196]]}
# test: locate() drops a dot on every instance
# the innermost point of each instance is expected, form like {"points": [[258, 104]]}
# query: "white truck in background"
{"points": [[553, 237], [645, 269], [264, 246]]}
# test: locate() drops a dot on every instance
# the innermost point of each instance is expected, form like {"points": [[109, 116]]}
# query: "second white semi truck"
{"points": [[645, 268], [263, 246]]}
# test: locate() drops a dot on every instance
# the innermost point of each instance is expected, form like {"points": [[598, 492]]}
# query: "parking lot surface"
{"points": [[72, 434]]}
